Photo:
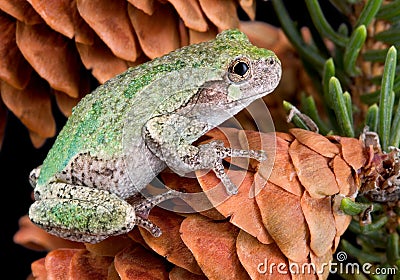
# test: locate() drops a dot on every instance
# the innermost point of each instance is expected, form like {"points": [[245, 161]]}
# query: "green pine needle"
{"points": [[368, 13], [386, 100], [288, 26], [297, 121], [350, 207], [393, 248], [375, 225], [359, 254], [349, 106], [376, 55], [322, 24], [395, 129], [310, 109], [372, 117], [352, 50], [390, 12], [340, 108], [389, 36], [327, 74]]}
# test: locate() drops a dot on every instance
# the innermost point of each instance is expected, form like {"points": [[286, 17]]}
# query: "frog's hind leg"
{"points": [[143, 207], [81, 213], [76, 236]]}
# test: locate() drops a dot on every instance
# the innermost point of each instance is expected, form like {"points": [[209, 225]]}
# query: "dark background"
{"points": [[18, 157]]}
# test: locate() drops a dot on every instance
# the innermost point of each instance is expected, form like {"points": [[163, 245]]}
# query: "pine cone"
{"points": [[294, 219], [55, 50]]}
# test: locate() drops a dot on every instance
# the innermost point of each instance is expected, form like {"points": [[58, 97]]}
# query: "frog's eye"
{"points": [[239, 70]]}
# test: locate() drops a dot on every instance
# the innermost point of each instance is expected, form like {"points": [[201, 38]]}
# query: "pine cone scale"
{"points": [[135, 262], [21, 10], [283, 173], [57, 14], [255, 258], [320, 221], [46, 50], [14, 69], [111, 22], [316, 142], [279, 209], [309, 163], [32, 106], [213, 243], [157, 33], [241, 208], [191, 14], [170, 244]]}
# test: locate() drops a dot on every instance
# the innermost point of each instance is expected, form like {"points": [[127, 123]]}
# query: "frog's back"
{"points": [[96, 124]]}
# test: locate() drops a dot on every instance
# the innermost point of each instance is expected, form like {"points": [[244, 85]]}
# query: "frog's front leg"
{"points": [[169, 137], [86, 214]]}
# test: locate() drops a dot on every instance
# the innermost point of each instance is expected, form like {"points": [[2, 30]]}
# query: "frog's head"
{"points": [[245, 73], [240, 73], [251, 72]]}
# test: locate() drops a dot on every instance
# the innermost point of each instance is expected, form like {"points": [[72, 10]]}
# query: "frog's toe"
{"points": [[219, 171], [144, 206], [149, 226], [259, 155]]}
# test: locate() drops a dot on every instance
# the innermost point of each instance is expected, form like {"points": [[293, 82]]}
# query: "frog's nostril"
{"points": [[270, 61]]}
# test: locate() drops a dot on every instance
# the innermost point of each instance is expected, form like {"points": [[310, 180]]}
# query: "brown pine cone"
{"points": [[293, 219]]}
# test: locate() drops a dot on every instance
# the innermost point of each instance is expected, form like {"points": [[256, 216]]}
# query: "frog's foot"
{"points": [[143, 208], [211, 155]]}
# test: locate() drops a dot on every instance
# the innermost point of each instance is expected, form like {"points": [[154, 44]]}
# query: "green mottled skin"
{"points": [[97, 121]]}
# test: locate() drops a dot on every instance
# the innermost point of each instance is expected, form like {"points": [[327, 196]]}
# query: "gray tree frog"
{"points": [[129, 129]]}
